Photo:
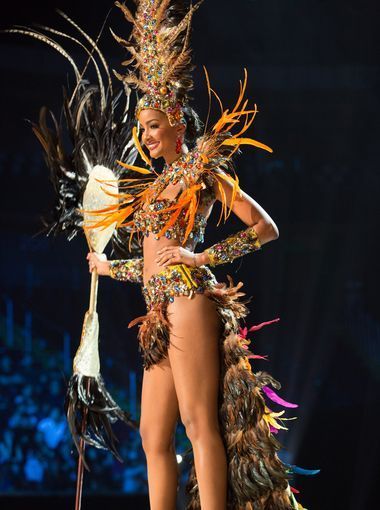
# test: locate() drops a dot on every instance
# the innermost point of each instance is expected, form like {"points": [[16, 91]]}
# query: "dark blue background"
{"points": [[314, 75]]}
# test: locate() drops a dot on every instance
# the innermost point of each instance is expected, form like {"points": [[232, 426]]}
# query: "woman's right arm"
{"points": [[129, 270]]}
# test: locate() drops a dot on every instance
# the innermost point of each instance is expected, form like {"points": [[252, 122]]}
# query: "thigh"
{"points": [[194, 356], [159, 405]]}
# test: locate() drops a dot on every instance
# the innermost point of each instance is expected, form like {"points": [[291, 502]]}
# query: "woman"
{"points": [[195, 358]]}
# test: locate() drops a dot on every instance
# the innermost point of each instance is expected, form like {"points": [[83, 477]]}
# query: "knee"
{"points": [[155, 442], [200, 427]]}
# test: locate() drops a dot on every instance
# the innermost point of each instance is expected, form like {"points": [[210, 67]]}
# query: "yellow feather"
{"points": [[246, 141], [247, 123], [223, 201], [242, 90], [271, 421], [218, 99], [209, 99], [137, 180], [139, 148], [138, 169], [234, 181]]}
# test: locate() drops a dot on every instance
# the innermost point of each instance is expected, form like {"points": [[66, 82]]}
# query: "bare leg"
{"points": [[194, 359], [159, 415]]}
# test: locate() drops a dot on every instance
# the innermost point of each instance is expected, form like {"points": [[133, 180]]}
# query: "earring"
{"points": [[178, 145]]}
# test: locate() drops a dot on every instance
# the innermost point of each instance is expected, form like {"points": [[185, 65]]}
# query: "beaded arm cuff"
{"points": [[130, 270], [236, 245]]}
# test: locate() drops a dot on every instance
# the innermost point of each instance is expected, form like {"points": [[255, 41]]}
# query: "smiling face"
{"points": [[159, 136]]}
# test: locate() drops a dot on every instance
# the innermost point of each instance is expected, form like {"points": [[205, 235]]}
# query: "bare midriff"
{"points": [[150, 249]]}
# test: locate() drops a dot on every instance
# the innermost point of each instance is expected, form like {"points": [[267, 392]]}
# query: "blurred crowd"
{"points": [[36, 451]]}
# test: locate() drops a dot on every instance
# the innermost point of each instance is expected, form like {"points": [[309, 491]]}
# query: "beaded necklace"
{"points": [[187, 167], [157, 214]]}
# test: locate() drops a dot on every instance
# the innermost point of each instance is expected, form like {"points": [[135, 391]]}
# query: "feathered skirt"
{"points": [[257, 478]]}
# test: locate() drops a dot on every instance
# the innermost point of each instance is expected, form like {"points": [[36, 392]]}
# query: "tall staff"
{"points": [[89, 406]]}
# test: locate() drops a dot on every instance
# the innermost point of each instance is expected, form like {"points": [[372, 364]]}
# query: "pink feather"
{"points": [[275, 398], [257, 356], [262, 324]]}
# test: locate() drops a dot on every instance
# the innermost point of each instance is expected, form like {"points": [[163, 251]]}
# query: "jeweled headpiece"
{"points": [[159, 45]]}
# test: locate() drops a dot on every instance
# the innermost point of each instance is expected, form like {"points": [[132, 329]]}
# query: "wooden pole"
{"points": [[82, 445]]}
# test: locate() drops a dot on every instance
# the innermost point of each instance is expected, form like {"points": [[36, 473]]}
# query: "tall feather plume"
{"points": [[96, 121], [93, 44], [47, 40], [91, 58]]}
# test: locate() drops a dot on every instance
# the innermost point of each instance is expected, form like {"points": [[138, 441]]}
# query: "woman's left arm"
{"points": [[261, 228]]}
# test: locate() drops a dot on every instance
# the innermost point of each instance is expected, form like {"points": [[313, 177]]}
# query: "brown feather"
{"points": [[161, 10], [127, 13]]}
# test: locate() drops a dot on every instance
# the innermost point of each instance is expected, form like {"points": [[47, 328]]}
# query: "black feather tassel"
{"points": [[91, 411]]}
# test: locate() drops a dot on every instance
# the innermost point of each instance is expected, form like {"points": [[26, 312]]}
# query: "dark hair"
{"points": [[194, 128]]}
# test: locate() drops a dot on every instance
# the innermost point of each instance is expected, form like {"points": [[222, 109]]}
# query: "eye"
{"points": [[154, 126]]}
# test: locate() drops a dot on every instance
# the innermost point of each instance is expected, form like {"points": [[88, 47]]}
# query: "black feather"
{"points": [[90, 411]]}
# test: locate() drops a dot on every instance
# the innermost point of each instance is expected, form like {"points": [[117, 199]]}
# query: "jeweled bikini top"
{"points": [[169, 217]]}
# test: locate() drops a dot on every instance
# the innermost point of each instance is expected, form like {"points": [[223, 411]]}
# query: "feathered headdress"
{"points": [[159, 46]]}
